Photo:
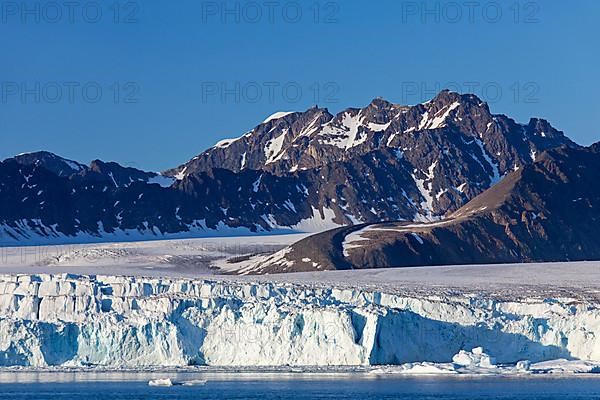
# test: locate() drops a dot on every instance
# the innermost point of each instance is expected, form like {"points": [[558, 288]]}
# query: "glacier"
{"points": [[72, 320]]}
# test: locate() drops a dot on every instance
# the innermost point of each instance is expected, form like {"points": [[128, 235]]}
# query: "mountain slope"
{"points": [[449, 150], [546, 211], [307, 171]]}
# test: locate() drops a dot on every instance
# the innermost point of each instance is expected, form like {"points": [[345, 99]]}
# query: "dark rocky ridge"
{"points": [[452, 146], [382, 162], [546, 211]]}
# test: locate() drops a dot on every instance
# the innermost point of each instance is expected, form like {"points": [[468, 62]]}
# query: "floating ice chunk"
{"points": [[562, 366], [161, 382], [194, 382], [424, 368]]}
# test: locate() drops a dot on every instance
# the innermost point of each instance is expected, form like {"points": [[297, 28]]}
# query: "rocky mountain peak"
{"points": [[445, 151], [52, 162], [377, 163], [380, 103]]}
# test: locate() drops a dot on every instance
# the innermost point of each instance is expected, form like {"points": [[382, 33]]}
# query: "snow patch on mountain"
{"points": [[35, 232], [440, 121], [181, 174], [277, 115], [75, 166], [378, 127], [495, 176], [425, 188], [318, 222], [256, 184], [273, 148], [359, 238], [354, 240], [347, 135], [222, 144]]}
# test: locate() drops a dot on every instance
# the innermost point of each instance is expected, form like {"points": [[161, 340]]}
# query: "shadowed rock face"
{"points": [[377, 163], [546, 211]]}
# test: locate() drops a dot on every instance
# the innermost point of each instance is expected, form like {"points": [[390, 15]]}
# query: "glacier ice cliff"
{"points": [[73, 320]]}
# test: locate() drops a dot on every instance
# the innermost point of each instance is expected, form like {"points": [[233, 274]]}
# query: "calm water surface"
{"points": [[31, 386]]}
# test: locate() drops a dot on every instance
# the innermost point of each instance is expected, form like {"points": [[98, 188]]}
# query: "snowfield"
{"points": [[413, 320], [173, 258]]}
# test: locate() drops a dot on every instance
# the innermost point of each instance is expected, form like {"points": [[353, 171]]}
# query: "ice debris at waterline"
{"points": [[464, 362], [129, 322], [476, 362], [167, 382], [161, 382]]}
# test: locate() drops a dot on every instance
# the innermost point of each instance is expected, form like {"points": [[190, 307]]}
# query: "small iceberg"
{"points": [[166, 382], [194, 382], [160, 382]]}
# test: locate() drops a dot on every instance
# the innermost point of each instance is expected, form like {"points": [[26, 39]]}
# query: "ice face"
{"points": [[72, 320]]}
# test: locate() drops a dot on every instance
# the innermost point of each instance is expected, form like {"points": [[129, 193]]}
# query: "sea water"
{"points": [[296, 387]]}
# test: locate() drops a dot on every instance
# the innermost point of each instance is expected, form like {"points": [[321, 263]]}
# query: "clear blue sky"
{"points": [[179, 54]]}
